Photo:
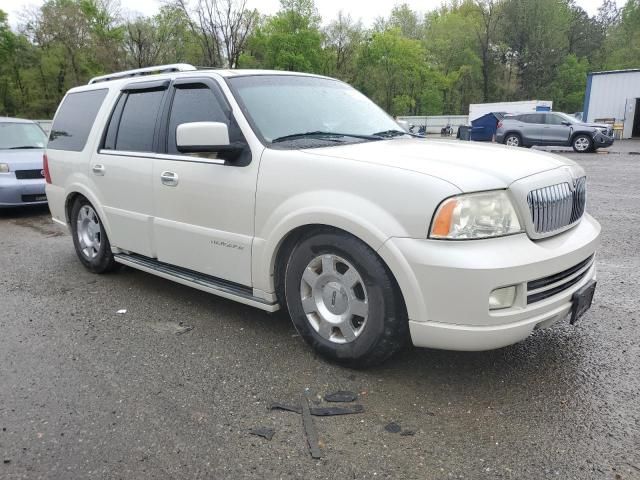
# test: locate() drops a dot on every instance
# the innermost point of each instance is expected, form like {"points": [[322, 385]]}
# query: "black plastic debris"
{"points": [[286, 407], [263, 432], [319, 411], [408, 433], [341, 396], [331, 411], [392, 427]]}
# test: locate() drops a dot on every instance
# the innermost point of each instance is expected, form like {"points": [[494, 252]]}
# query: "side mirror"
{"points": [[206, 137], [566, 123]]}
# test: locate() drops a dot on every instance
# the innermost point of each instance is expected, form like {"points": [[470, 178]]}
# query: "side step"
{"points": [[190, 278]]}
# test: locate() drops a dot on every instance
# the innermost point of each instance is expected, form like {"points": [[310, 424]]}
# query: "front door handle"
{"points": [[98, 169], [169, 179]]}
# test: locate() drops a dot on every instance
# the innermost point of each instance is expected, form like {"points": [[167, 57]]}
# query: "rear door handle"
{"points": [[170, 179], [98, 169]]}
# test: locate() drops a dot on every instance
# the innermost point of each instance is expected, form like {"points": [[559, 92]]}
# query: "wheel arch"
{"points": [[79, 191]]}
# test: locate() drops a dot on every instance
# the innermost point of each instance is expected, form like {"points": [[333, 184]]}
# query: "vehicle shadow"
{"points": [[24, 212]]}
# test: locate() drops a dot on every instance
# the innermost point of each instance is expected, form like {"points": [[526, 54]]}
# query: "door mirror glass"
{"points": [[196, 137]]}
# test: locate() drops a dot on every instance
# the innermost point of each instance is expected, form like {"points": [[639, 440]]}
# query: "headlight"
{"points": [[475, 215], [4, 168]]}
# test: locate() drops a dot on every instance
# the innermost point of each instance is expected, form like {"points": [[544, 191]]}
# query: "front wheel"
{"points": [[343, 301], [90, 238], [582, 143]]}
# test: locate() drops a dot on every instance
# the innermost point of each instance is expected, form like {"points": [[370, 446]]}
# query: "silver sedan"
{"points": [[22, 179]]}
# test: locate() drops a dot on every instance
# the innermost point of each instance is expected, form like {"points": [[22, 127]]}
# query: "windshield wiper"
{"points": [[324, 136], [24, 147], [395, 133]]}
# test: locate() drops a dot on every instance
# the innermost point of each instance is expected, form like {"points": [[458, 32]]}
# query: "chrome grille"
{"points": [[557, 206]]}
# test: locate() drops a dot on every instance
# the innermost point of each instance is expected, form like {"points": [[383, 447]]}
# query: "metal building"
{"points": [[614, 95]]}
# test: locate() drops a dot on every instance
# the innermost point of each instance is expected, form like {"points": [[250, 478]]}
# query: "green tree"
{"points": [[289, 40]]}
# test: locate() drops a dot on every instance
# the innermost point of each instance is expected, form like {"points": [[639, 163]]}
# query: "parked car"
{"points": [[553, 128], [21, 170], [295, 191]]}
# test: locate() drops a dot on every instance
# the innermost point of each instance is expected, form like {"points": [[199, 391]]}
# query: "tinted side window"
{"points": [[74, 120], [193, 103], [554, 119], [138, 121], [198, 103], [533, 118]]}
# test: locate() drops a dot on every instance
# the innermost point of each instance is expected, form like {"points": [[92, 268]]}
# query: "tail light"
{"points": [[45, 167], [499, 124]]}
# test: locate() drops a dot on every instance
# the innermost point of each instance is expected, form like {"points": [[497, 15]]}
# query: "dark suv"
{"points": [[553, 128]]}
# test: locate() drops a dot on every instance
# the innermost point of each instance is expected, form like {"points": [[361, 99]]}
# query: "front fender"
{"points": [[363, 219]]}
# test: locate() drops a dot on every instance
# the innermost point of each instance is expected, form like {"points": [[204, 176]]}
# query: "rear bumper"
{"points": [[448, 295], [15, 193]]}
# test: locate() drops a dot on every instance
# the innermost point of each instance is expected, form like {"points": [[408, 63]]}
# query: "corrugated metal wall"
{"points": [[609, 93]]}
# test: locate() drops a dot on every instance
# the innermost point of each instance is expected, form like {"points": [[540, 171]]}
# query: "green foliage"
{"points": [[466, 51], [624, 40]]}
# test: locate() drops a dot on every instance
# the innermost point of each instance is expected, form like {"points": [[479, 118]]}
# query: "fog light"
{"points": [[4, 168], [502, 298]]}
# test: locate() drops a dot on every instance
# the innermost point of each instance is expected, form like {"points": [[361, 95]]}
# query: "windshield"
{"points": [[282, 107], [15, 136]]}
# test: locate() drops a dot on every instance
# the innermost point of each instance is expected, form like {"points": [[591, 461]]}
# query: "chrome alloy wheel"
{"points": [[513, 141], [582, 144], [88, 231], [334, 298]]}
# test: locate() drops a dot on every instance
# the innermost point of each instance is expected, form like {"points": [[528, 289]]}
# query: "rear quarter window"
{"points": [[74, 120]]}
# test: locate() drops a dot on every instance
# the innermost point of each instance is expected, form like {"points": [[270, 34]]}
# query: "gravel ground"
{"points": [[88, 393]]}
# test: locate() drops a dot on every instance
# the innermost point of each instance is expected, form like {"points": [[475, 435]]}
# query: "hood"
{"points": [[596, 125], [471, 166], [28, 159]]}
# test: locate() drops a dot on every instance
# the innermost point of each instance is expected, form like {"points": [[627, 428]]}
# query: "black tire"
{"points": [[580, 139], [103, 261], [386, 328], [515, 138]]}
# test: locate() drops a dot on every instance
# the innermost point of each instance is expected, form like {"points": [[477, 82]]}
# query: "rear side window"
{"points": [[138, 121], [74, 120], [532, 118]]}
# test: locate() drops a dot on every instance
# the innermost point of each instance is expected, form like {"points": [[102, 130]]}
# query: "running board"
{"points": [[190, 278]]}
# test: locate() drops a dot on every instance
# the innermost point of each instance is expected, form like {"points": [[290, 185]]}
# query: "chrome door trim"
{"points": [[162, 156]]}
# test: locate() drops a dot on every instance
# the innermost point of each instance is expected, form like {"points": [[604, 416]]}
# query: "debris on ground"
{"points": [[183, 329], [341, 396], [319, 411], [285, 407], [310, 430], [331, 411], [263, 432], [407, 433], [392, 427], [122, 311]]}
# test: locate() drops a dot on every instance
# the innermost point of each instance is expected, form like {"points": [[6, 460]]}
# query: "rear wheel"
{"points": [[343, 301], [513, 140], [582, 143], [90, 238]]}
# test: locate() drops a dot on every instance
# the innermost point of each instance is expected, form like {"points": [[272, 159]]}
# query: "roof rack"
{"points": [[174, 67]]}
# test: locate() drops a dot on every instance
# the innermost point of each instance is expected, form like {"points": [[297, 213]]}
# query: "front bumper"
{"points": [[448, 286], [601, 140], [14, 192]]}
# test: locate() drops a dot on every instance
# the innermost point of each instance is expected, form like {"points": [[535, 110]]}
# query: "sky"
{"points": [[366, 10]]}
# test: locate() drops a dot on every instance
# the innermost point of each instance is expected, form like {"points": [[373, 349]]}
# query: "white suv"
{"points": [[288, 190]]}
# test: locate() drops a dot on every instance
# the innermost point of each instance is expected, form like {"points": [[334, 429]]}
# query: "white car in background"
{"points": [[287, 190]]}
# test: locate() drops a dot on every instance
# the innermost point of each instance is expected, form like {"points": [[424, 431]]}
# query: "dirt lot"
{"points": [[88, 393]]}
